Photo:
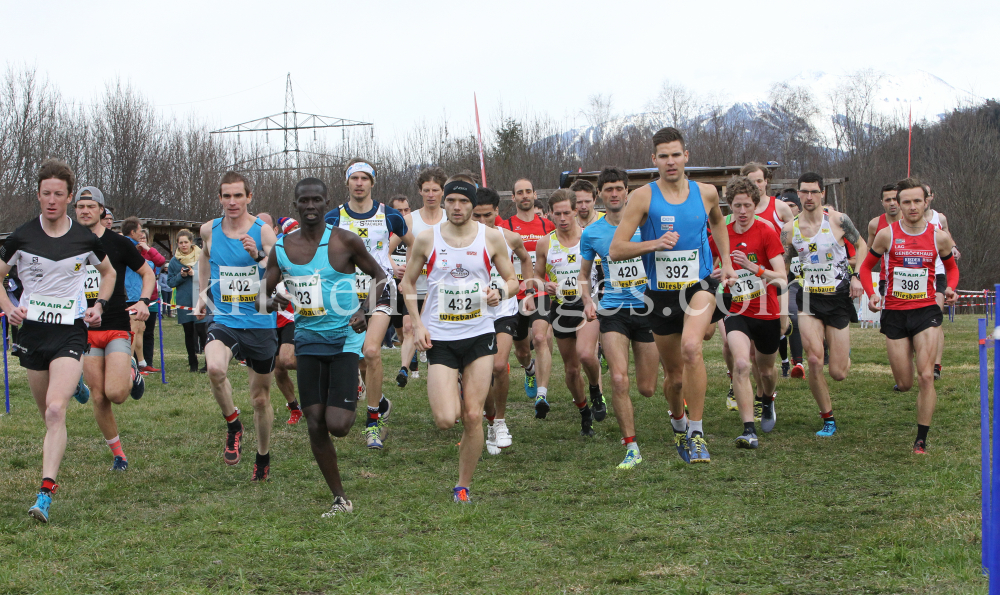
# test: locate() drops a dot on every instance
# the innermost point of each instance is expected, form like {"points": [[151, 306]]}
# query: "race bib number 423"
{"points": [[239, 284], [459, 302], [51, 310], [307, 294], [676, 269]]}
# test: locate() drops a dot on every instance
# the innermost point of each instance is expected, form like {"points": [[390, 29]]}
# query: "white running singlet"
{"points": [[457, 282]]}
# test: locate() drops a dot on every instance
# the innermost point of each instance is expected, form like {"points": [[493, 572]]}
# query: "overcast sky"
{"points": [[399, 63]]}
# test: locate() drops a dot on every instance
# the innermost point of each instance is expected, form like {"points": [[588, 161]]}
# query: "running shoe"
{"points": [[503, 434], [120, 464], [423, 357], [698, 449], [541, 407], [746, 440], [758, 410], [731, 400], [150, 370], [40, 511], [597, 404], [415, 374], [294, 416], [234, 446], [402, 378], [681, 442], [586, 422], [384, 415], [829, 429], [491, 440], [372, 437], [768, 415], [260, 470], [138, 382], [632, 458], [82, 393], [798, 371], [530, 386], [784, 369], [339, 505], [461, 495], [362, 390], [937, 373], [896, 389], [920, 447]]}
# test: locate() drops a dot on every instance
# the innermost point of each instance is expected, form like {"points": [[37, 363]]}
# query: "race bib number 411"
{"points": [[676, 269], [239, 284]]}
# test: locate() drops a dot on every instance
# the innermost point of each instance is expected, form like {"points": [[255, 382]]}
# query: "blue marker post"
{"points": [[6, 381], [995, 467], [163, 368], [984, 428]]}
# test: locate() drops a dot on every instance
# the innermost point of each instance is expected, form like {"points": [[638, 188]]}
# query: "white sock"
{"points": [[530, 368], [633, 446], [784, 361], [695, 426], [142, 364], [679, 424], [543, 392], [498, 419]]}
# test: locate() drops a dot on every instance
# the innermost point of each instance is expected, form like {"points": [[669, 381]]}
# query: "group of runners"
{"points": [[658, 272]]}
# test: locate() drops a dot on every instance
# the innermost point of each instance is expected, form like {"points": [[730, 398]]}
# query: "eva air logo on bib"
{"points": [[676, 269], [51, 310], [239, 284]]}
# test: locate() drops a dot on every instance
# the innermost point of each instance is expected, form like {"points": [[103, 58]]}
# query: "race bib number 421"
{"points": [[92, 283], [676, 269]]}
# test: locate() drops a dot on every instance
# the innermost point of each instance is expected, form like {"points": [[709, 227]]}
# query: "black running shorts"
{"points": [[330, 380], [39, 343], [906, 324], [834, 310], [667, 314], [524, 321], [765, 334], [457, 354], [286, 334], [255, 346], [507, 325], [627, 322], [566, 319]]}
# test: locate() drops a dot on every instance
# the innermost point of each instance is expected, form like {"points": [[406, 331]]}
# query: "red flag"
{"points": [[479, 134]]}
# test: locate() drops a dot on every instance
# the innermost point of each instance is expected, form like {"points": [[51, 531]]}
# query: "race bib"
{"points": [[51, 310], [92, 283], [307, 294], [362, 284], [567, 287], [796, 267], [627, 273], [459, 302], [909, 284], [676, 269], [746, 287], [819, 278], [239, 284], [517, 265], [398, 259]]}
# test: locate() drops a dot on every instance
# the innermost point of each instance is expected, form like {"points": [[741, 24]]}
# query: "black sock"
{"points": [[595, 389], [263, 460], [383, 405], [922, 432], [749, 426], [585, 412], [235, 426], [403, 369], [293, 406]]}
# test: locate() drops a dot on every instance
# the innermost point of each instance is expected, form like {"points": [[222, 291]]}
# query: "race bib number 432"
{"points": [[239, 284], [459, 302], [676, 269]]}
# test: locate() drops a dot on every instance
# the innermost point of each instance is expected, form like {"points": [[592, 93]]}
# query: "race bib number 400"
{"points": [[676, 269], [746, 287], [819, 278], [239, 284], [627, 273], [92, 283], [909, 284], [307, 295], [459, 302], [51, 310]]}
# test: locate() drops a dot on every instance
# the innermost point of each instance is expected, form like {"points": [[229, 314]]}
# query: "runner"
{"points": [[673, 215], [939, 221], [454, 328], [558, 258], [755, 318], [233, 259], [770, 208], [622, 316], [910, 315], [132, 229], [108, 220], [51, 253], [504, 324], [793, 339], [530, 226], [373, 222], [401, 320], [588, 335], [285, 318], [891, 215], [327, 317], [825, 307], [110, 370]]}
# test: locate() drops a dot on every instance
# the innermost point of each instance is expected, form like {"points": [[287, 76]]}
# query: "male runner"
{"points": [[939, 221], [108, 367], [454, 327], [793, 340], [587, 336], [317, 265], [51, 254], [818, 236], [877, 224], [285, 323], [622, 316], [531, 227], [373, 222], [910, 315], [141, 329], [401, 320], [673, 215], [504, 324], [770, 208], [232, 262], [755, 314], [557, 255]]}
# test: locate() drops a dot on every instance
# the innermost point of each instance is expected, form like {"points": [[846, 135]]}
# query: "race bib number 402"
{"points": [[239, 284], [676, 269], [51, 310], [459, 302]]}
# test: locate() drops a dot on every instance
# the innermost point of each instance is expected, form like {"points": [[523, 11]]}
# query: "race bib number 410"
{"points": [[51, 310], [239, 284], [819, 278], [676, 269], [459, 302]]}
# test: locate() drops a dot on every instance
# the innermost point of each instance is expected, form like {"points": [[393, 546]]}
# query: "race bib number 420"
{"points": [[51, 310], [627, 273], [909, 284], [459, 302], [676, 269], [239, 284]]}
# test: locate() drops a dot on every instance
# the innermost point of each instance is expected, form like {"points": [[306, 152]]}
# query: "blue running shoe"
{"points": [[462, 495], [680, 441], [120, 464], [530, 386], [138, 382], [829, 429], [402, 377], [40, 511], [698, 448], [541, 407], [82, 393], [632, 458]]}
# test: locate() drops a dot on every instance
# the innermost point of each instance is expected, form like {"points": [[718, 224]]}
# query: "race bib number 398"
{"points": [[909, 284], [239, 284], [676, 269]]}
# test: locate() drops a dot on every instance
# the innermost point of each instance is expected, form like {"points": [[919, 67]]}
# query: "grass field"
{"points": [[857, 513]]}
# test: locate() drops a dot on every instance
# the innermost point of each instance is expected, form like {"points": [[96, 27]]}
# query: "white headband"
{"points": [[362, 167]]}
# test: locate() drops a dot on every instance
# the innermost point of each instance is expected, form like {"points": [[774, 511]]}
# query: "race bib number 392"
{"points": [[676, 269]]}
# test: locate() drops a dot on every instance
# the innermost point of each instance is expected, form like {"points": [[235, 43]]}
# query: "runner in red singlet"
{"points": [[877, 224]]}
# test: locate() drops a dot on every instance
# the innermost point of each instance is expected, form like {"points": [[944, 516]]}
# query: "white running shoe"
{"points": [[503, 434], [423, 357], [340, 505], [415, 374], [491, 440]]}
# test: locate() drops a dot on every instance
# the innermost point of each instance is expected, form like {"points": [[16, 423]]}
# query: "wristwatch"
{"points": [[260, 256], [144, 300], [103, 303]]}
